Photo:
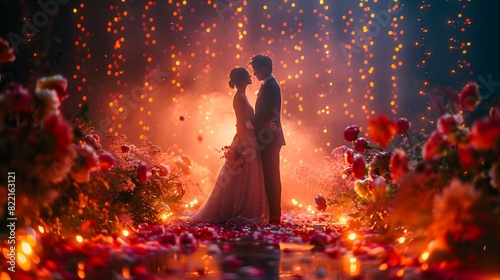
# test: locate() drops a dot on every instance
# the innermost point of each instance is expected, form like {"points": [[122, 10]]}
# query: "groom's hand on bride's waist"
{"points": [[270, 125]]}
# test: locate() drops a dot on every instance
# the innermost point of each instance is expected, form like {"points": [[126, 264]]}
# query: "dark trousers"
{"points": [[272, 180]]}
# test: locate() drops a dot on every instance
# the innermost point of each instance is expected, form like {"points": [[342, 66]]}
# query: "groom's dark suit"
{"points": [[268, 108]]}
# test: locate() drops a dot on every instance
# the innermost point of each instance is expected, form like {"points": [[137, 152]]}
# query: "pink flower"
{"points": [[485, 133], [469, 98], [351, 133], [403, 125], [93, 140], [62, 131], [320, 202], [19, 97], [349, 156], [448, 123], [382, 130], [358, 167], [88, 155], [398, 165], [106, 161], [6, 52], [435, 145], [57, 83], [143, 172], [360, 145]]}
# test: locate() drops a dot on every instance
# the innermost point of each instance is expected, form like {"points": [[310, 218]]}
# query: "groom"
{"points": [[268, 109]]}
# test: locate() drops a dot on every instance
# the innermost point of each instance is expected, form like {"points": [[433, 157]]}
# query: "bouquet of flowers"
{"points": [[235, 157]]}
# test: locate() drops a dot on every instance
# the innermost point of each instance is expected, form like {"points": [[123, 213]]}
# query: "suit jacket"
{"points": [[268, 108]]}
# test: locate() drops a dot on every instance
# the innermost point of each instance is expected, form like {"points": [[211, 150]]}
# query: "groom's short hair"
{"points": [[261, 60]]}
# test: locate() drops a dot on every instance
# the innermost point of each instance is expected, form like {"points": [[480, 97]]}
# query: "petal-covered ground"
{"points": [[302, 247]]}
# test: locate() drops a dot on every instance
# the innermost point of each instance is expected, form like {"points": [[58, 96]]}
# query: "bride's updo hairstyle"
{"points": [[237, 75]]}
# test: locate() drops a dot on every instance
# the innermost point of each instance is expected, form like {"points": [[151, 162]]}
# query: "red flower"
{"points": [[106, 161], [6, 52], [466, 154], [57, 83], [320, 202], [485, 133], [448, 123], [143, 172], [382, 130], [469, 98], [93, 140], [125, 148], [88, 155], [403, 125], [351, 133], [433, 147], [360, 145], [19, 97], [163, 170], [349, 156], [358, 167], [398, 165], [61, 130]]}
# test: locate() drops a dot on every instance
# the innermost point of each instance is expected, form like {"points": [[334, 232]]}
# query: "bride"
{"points": [[239, 195]]}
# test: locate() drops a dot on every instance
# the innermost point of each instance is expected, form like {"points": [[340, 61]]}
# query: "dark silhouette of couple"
{"points": [[248, 187]]}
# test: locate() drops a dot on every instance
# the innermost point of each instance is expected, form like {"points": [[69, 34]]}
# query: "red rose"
{"points": [[360, 145], [398, 165], [382, 130], [106, 161], [403, 125], [485, 133], [125, 148], [448, 123], [469, 98], [433, 147], [143, 172], [358, 167], [351, 133]]}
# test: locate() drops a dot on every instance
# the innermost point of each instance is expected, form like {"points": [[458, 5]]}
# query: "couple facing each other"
{"points": [[249, 191]]}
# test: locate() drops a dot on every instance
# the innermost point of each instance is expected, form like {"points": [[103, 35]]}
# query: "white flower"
{"points": [[48, 103]]}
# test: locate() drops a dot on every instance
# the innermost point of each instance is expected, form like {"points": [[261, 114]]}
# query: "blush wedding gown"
{"points": [[239, 195]]}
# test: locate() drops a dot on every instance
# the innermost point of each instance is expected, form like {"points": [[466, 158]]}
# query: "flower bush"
{"points": [[443, 187], [67, 178]]}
